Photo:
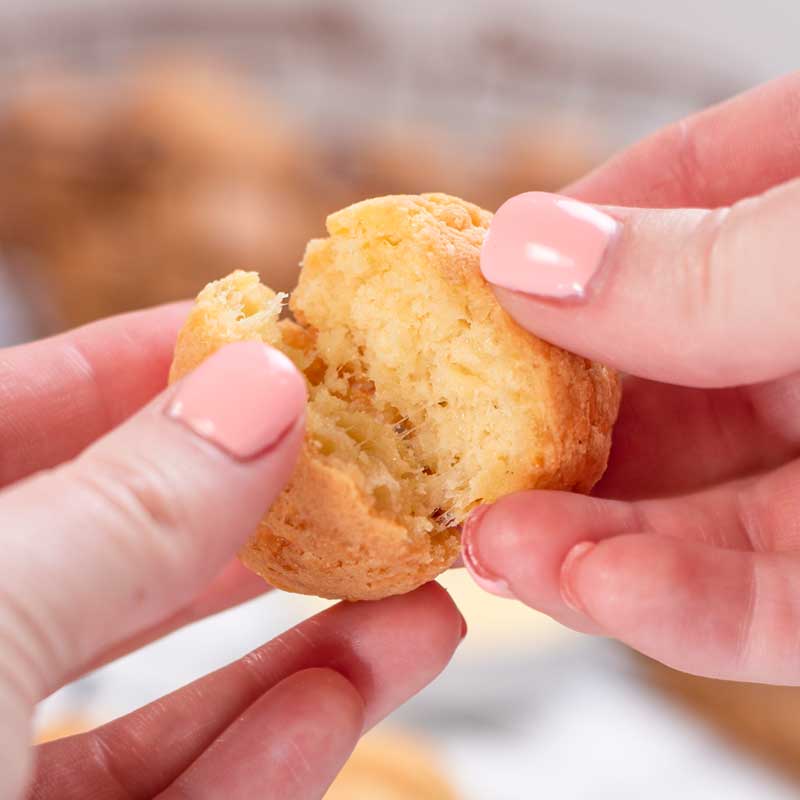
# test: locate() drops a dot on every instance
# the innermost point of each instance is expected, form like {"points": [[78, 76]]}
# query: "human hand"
{"points": [[118, 524], [691, 551]]}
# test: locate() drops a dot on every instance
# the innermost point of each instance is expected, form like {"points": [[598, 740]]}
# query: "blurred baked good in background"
{"points": [[756, 717], [543, 155], [125, 193], [147, 148], [139, 187], [120, 188], [62, 727], [392, 765]]}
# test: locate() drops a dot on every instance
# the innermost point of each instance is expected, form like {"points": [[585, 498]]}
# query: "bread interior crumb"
{"points": [[402, 390]]}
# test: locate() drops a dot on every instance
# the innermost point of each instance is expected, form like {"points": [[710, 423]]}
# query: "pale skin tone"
{"points": [[690, 551], [696, 524], [110, 547]]}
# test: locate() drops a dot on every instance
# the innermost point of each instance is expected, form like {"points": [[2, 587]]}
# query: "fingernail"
{"points": [[546, 245], [243, 399], [471, 551], [568, 593]]}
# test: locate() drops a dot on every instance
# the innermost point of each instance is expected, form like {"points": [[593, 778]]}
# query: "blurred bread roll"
{"points": [[391, 766]]}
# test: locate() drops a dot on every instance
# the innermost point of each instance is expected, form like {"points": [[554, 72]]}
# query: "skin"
{"points": [[689, 553], [690, 550], [105, 497]]}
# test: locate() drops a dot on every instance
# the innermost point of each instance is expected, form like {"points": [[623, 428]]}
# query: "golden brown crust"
{"points": [[572, 452], [324, 535], [321, 536]]}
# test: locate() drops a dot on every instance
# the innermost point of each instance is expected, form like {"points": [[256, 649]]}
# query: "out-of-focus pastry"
{"points": [[62, 727], [132, 187], [132, 192], [391, 766], [760, 718], [396, 159], [539, 157]]}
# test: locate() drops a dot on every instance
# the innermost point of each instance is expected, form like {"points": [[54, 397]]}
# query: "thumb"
{"points": [[111, 543], [687, 296]]}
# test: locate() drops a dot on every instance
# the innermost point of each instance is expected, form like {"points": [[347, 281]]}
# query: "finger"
{"points": [[60, 394], [514, 548], [234, 585], [719, 613], [529, 546], [691, 163], [388, 650], [294, 740], [673, 440], [16, 756], [132, 529], [691, 297]]}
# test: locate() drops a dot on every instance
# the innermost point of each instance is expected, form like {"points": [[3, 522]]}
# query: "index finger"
{"points": [[732, 150], [60, 394]]}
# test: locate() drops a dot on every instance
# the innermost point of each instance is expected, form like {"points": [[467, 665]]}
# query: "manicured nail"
{"points": [[568, 593], [243, 399], [546, 245], [474, 561]]}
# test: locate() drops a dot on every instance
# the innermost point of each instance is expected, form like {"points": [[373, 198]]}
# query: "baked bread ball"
{"points": [[425, 398], [392, 765]]}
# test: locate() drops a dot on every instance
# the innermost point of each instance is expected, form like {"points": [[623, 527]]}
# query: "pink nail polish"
{"points": [[546, 245], [471, 555], [243, 399], [568, 593]]}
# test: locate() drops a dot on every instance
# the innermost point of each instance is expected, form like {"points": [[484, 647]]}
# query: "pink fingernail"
{"points": [[473, 559], [546, 245], [243, 399], [568, 593]]}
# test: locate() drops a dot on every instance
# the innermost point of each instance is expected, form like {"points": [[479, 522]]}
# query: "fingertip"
{"points": [[474, 546], [442, 621], [177, 490], [546, 245], [517, 547], [243, 399]]}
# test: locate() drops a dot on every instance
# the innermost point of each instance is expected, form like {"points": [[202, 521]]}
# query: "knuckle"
{"points": [[295, 767], [684, 164], [136, 501], [33, 644], [101, 766], [746, 634], [703, 273], [15, 753]]}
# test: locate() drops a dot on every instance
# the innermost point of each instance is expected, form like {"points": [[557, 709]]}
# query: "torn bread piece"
{"points": [[425, 398]]}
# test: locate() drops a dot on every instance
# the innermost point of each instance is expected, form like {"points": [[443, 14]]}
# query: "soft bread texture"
{"points": [[425, 398]]}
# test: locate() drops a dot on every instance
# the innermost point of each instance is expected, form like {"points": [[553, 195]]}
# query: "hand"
{"points": [[691, 551], [106, 550]]}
